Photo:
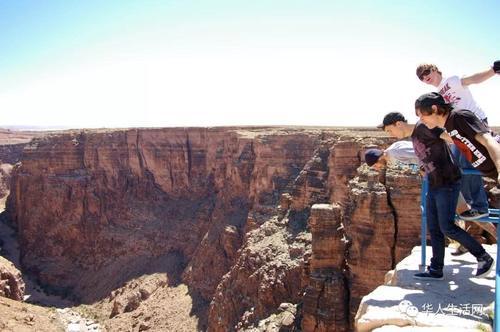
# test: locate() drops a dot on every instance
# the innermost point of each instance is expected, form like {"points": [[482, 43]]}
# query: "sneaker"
{"points": [[460, 251], [495, 212], [430, 274], [484, 265], [472, 214]]}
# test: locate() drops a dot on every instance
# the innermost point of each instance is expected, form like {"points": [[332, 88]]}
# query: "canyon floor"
{"points": [[43, 312]]}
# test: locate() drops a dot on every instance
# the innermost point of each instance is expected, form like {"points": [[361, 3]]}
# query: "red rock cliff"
{"points": [[78, 198], [383, 224], [234, 207]]}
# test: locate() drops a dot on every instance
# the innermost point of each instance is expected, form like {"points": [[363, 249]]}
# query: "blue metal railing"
{"points": [[494, 217]]}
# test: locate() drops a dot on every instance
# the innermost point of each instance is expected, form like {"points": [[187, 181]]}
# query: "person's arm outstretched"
{"points": [[481, 76]]}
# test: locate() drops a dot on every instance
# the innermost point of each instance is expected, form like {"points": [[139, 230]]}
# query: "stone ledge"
{"points": [[458, 303]]}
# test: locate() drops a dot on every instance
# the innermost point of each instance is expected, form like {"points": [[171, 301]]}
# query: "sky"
{"points": [[93, 64]]}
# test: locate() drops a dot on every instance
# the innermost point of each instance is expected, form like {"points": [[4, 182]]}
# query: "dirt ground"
{"points": [[16, 316]]}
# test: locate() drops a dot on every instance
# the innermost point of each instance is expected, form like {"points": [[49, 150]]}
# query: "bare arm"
{"points": [[445, 137], [478, 78], [493, 149]]}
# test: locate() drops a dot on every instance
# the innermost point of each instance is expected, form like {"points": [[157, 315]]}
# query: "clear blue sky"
{"points": [[204, 63]]}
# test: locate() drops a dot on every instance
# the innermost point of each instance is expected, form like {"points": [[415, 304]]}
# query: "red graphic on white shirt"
{"points": [[448, 96]]}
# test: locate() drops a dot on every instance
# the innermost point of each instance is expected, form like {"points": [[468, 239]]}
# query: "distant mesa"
{"points": [[33, 128]]}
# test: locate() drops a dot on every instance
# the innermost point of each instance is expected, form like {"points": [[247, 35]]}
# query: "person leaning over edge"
{"points": [[400, 151], [456, 92], [444, 185], [396, 125], [468, 133], [441, 200]]}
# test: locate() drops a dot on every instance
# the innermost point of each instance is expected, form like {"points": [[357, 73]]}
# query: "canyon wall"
{"points": [[383, 224], [10, 154], [77, 199], [12, 144], [249, 218]]}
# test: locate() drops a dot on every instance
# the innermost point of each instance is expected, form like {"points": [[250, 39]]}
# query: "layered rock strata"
{"points": [[271, 265], [326, 296], [232, 211], [345, 158], [383, 224], [9, 155], [78, 197]]}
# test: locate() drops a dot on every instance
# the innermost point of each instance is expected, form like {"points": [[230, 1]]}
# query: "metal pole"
{"points": [[493, 217], [423, 235], [496, 328]]}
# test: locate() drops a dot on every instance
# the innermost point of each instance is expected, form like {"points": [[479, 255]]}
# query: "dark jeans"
{"points": [[441, 204], [472, 185]]}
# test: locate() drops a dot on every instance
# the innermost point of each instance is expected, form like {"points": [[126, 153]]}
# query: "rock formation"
{"points": [[5, 170], [111, 205], [282, 320], [248, 219], [270, 267], [383, 224], [11, 282], [342, 164], [10, 154], [326, 296], [12, 144]]}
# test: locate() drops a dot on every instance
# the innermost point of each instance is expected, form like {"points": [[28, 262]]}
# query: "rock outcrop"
{"points": [[271, 263], [282, 320], [326, 296], [12, 144], [129, 297], [345, 157], [11, 282], [5, 170], [383, 224], [10, 154], [269, 270]]}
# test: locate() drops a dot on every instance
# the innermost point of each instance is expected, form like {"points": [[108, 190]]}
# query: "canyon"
{"points": [[216, 229]]}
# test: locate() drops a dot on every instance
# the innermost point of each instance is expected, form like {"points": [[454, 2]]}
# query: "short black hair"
{"points": [[391, 118], [425, 102]]}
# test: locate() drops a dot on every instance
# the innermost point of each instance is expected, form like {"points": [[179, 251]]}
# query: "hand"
{"points": [[496, 66]]}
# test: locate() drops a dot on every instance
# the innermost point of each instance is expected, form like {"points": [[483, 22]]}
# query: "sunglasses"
{"points": [[424, 73]]}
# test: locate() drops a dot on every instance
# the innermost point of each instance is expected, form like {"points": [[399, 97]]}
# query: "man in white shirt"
{"points": [[400, 151], [455, 90]]}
